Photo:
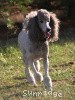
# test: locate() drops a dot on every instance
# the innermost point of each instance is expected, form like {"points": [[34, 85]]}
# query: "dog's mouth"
{"points": [[47, 35]]}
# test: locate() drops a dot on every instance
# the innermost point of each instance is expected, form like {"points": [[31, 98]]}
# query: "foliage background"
{"points": [[62, 53]]}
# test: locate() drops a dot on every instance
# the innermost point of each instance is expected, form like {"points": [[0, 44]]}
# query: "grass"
{"points": [[13, 84]]}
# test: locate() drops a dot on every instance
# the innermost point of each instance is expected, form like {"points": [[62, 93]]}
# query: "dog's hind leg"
{"points": [[37, 65], [38, 76]]}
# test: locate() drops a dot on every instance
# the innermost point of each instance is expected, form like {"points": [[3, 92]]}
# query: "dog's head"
{"points": [[42, 25], [49, 24]]}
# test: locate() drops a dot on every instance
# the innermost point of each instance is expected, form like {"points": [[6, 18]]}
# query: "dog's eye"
{"points": [[41, 21]]}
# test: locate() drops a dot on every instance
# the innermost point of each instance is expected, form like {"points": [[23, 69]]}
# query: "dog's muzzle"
{"points": [[48, 34]]}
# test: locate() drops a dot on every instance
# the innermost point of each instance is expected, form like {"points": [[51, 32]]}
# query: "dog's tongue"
{"points": [[47, 35]]}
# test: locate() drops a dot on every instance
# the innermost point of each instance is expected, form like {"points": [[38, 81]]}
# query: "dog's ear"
{"points": [[35, 32], [30, 23], [54, 24]]}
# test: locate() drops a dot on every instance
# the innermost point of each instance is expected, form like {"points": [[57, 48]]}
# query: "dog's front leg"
{"points": [[47, 78], [37, 75], [37, 65], [29, 74]]}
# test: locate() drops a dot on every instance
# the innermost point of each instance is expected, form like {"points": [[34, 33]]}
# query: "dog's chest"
{"points": [[38, 50]]}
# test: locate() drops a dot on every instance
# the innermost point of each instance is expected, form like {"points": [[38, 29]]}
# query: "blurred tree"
{"points": [[12, 11], [65, 8]]}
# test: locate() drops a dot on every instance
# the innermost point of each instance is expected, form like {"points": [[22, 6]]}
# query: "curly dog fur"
{"points": [[39, 28]]}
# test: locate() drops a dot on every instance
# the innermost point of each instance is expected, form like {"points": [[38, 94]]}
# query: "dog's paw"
{"points": [[48, 83], [38, 76], [31, 79]]}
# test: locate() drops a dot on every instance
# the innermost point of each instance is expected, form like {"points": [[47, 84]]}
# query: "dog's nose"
{"points": [[48, 30]]}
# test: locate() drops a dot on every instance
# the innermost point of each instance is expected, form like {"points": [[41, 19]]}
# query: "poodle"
{"points": [[39, 28]]}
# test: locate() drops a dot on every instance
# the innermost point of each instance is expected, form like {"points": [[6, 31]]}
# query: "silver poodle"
{"points": [[39, 28]]}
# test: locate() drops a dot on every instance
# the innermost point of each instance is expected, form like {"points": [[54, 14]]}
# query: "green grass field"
{"points": [[13, 84]]}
